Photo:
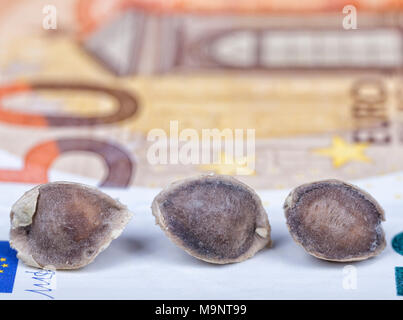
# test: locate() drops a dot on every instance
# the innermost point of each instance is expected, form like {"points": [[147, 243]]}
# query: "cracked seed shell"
{"points": [[214, 218], [336, 221], [64, 225]]}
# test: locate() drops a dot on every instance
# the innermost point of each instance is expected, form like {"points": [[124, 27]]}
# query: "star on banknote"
{"points": [[342, 152]]}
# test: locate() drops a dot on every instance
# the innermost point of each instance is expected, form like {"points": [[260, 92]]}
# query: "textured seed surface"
{"points": [[214, 218], [335, 221], [64, 225]]}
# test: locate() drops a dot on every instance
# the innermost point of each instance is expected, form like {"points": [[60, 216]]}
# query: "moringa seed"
{"points": [[64, 225], [336, 221], [214, 218]]}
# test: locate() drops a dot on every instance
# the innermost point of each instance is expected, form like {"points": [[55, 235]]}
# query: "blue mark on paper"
{"points": [[397, 243], [43, 283], [399, 280], [8, 267]]}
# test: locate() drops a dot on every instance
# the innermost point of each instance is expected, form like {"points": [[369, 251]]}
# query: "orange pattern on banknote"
{"points": [[120, 167], [36, 164], [16, 117], [126, 105], [92, 12]]}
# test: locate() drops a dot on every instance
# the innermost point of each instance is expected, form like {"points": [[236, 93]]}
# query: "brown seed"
{"points": [[64, 225], [214, 218], [335, 221]]}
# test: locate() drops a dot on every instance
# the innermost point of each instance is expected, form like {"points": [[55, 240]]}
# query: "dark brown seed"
{"points": [[336, 221], [214, 218], [63, 225]]}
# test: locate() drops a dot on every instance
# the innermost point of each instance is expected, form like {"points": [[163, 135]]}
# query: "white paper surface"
{"points": [[144, 264]]}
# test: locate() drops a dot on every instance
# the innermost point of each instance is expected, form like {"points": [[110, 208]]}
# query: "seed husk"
{"points": [[336, 221], [214, 218], [64, 225]]}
